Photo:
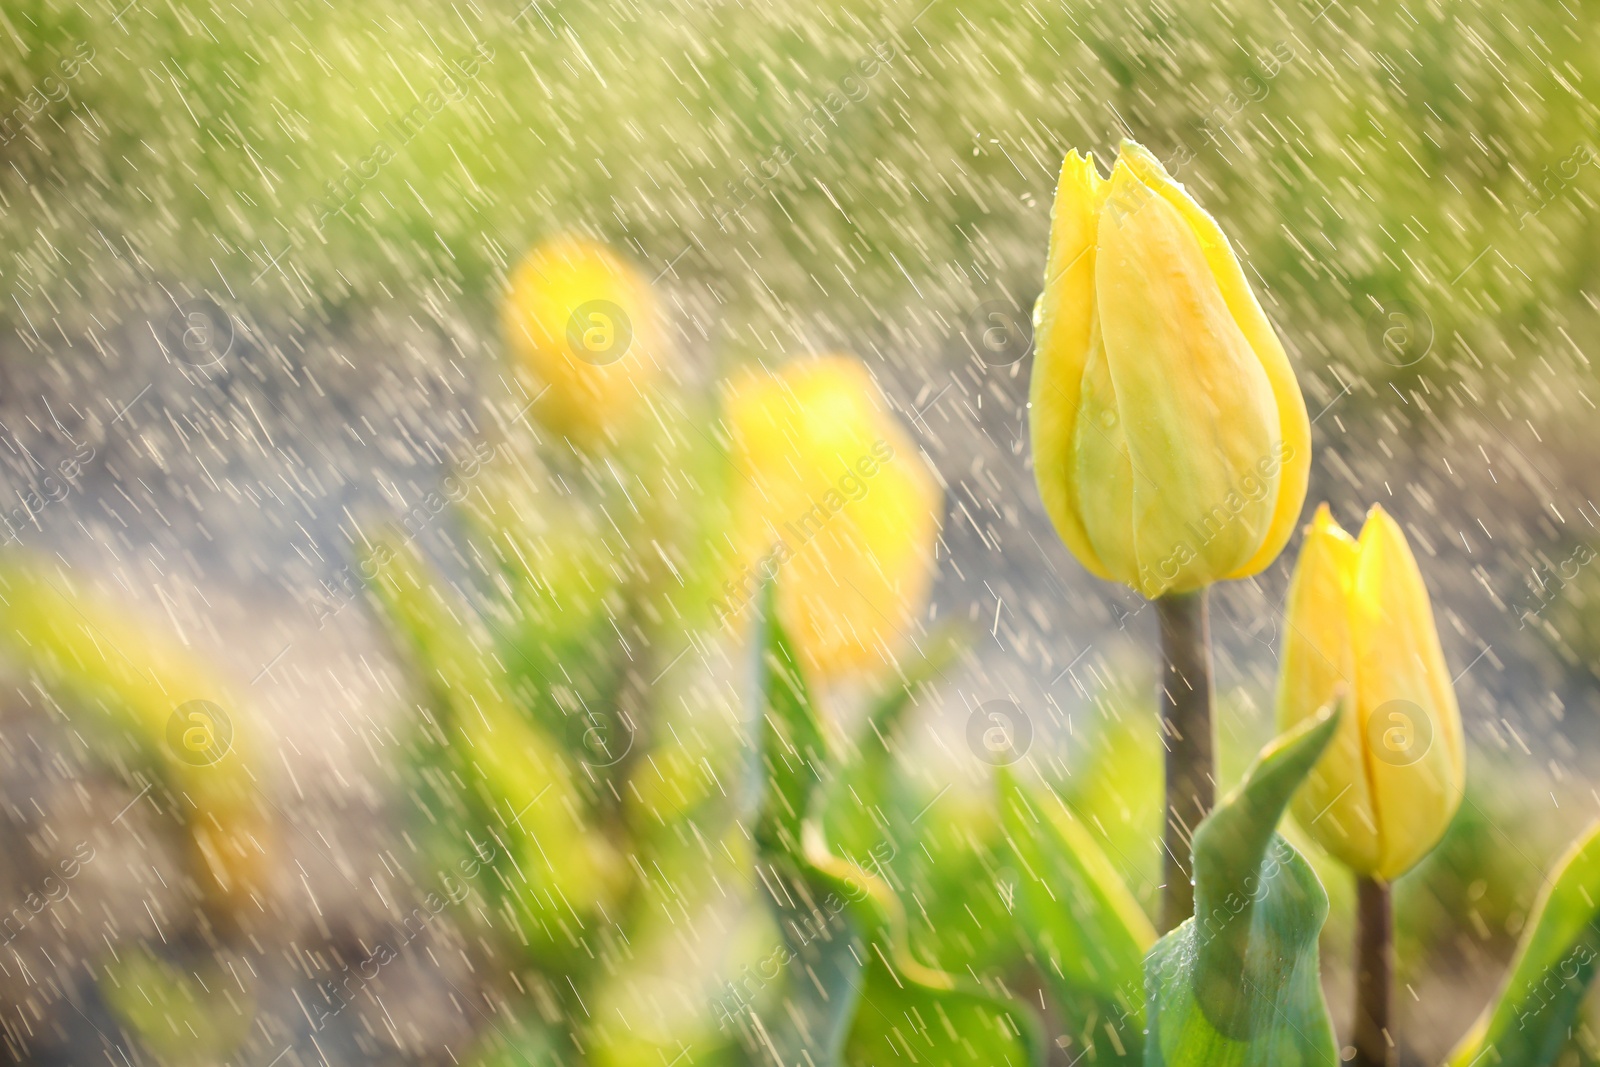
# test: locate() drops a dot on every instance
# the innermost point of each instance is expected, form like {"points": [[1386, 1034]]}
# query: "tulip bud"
{"points": [[835, 505], [1170, 440], [1358, 618], [585, 326]]}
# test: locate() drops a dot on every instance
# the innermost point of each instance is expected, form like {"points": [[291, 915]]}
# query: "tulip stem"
{"points": [[1374, 974], [1185, 699]]}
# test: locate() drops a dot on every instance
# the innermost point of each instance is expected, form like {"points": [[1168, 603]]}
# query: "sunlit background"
{"points": [[342, 192]]}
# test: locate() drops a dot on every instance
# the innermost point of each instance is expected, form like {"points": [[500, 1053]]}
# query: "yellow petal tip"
{"points": [[1380, 520], [1080, 171], [1323, 524]]}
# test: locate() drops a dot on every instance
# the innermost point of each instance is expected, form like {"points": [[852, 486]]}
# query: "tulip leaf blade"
{"points": [[909, 1012], [1529, 1023], [1237, 985], [867, 803], [794, 753], [850, 991], [821, 963], [1089, 932], [526, 795], [820, 960], [905, 1018]]}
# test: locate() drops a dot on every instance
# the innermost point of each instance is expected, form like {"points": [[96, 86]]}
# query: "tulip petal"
{"points": [[1104, 472], [1257, 329], [1063, 327], [1335, 805], [1196, 406], [1399, 659], [837, 493], [572, 296]]}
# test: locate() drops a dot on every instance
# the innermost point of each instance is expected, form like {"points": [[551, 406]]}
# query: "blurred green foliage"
{"points": [[560, 783], [1359, 154], [1357, 150], [851, 991], [1533, 1018]]}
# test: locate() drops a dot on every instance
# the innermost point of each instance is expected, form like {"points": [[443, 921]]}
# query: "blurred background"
{"points": [[256, 254]]}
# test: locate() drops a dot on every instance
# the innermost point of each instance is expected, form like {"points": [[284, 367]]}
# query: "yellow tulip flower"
{"points": [[1358, 617], [585, 325], [836, 503], [151, 692], [1170, 440]]}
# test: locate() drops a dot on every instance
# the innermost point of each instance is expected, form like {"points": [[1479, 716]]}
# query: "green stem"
{"points": [[1374, 975], [1185, 697]]}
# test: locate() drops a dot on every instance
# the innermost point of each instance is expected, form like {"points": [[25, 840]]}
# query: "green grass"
{"points": [[1366, 151]]}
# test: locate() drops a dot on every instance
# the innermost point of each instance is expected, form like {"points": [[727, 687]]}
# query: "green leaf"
{"points": [[1086, 927], [849, 992], [1115, 784], [960, 884], [823, 957], [558, 598], [904, 1018], [855, 996], [866, 805], [1529, 1024], [558, 863], [794, 753], [1237, 985]]}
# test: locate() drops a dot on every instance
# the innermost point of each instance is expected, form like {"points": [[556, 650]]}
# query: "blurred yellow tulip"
{"points": [[836, 502], [585, 325], [1170, 440], [152, 692], [1359, 618]]}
